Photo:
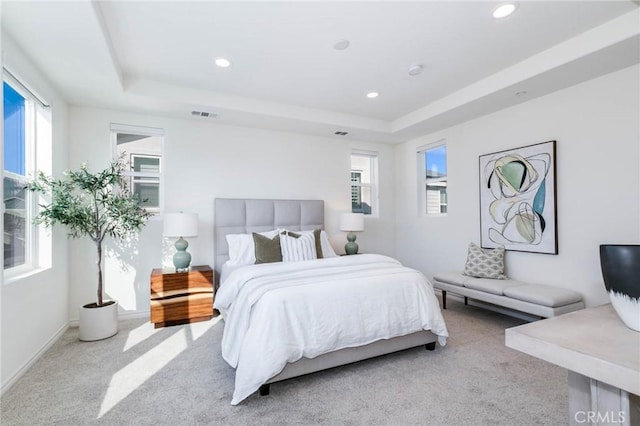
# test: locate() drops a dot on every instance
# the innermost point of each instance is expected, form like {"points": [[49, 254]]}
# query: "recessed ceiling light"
{"points": [[372, 95], [341, 45], [222, 62], [415, 69], [504, 10]]}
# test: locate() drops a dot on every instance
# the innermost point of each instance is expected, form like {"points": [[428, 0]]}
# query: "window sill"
{"points": [[21, 274]]}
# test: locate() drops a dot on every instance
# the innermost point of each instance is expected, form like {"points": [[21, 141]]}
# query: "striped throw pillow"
{"points": [[297, 247]]}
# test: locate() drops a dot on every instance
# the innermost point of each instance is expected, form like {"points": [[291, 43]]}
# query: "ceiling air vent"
{"points": [[204, 114]]}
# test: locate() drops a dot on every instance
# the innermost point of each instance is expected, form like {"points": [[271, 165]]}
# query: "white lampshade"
{"points": [[180, 225], [352, 222]]}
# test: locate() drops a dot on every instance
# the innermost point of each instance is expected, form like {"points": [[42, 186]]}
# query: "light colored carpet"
{"points": [[176, 375]]}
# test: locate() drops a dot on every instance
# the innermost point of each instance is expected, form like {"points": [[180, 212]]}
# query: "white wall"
{"points": [[597, 128], [35, 307], [203, 161]]}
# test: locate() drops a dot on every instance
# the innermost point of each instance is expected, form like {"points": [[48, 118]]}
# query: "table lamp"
{"points": [[351, 222], [181, 225]]}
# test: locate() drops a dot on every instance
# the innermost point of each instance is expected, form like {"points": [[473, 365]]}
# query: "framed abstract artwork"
{"points": [[518, 199]]}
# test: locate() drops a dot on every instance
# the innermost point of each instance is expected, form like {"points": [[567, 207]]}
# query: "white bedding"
{"points": [[227, 269], [277, 313]]}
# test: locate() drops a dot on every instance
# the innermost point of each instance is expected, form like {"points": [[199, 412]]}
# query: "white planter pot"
{"points": [[98, 323]]}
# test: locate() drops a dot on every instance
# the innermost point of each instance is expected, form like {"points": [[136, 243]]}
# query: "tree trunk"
{"points": [[99, 263]]}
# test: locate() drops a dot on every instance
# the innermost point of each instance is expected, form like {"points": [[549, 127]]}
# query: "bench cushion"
{"points": [[455, 278], [543, 295], [490, 285]]}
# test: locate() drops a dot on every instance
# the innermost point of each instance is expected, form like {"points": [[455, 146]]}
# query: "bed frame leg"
{"points": [[444, 299], [466, 301], [430, 346], [264, 390]]}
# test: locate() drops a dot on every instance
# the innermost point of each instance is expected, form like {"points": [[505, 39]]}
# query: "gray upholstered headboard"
{"points": [[243, 216]]}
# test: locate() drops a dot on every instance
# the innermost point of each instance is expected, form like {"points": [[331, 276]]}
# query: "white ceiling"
{"points": [[157, 56]]}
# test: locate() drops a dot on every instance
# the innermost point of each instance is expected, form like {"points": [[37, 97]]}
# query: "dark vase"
{"points": [[621, 272]]}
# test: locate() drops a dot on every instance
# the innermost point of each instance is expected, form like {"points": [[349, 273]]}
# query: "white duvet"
{"points": [[277, 313]]}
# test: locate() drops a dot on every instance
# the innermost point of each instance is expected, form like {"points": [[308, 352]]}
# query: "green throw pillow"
{"points": [[291, 234], [316, 236], [267, 249]]}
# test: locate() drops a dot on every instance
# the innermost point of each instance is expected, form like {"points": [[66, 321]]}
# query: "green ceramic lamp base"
{"points": [[182, 258], [351, 247]]}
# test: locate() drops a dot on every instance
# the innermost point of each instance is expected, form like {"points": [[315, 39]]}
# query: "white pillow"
{"points": [[242, 250], [296, 249], [327, 249]]}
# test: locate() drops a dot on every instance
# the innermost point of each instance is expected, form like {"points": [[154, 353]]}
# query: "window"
{"points": [[27, 146], [433, 178], [142, 149], [364, 182]]}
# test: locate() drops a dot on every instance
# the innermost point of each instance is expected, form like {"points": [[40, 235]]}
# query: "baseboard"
{"points": [[121, 316], [133, 315], [27, 365], [491, 307]]}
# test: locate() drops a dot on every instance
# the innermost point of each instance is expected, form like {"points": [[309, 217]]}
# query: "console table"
{"points": [[602, 356]]}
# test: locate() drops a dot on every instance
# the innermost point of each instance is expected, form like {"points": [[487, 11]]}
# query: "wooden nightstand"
{"points": [[181, 297]]}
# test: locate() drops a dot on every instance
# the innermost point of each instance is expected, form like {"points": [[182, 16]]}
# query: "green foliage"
{"points": [[90, 204]]}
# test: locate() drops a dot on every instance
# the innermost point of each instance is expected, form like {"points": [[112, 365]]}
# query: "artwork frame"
{"points": [[518, 207]]}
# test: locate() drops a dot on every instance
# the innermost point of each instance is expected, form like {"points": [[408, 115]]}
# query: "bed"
{"points": [[287, 319]]}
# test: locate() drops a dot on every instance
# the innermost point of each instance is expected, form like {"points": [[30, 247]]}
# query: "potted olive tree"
{"points": [[95, 205]]}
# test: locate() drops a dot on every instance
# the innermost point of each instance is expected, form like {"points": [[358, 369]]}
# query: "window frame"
{"points": [[133, 176], [37, 132], [373, 186], [145, 177], [423, 181]]}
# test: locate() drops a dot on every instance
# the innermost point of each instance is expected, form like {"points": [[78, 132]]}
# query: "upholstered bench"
{"points": [[541, 300]]}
